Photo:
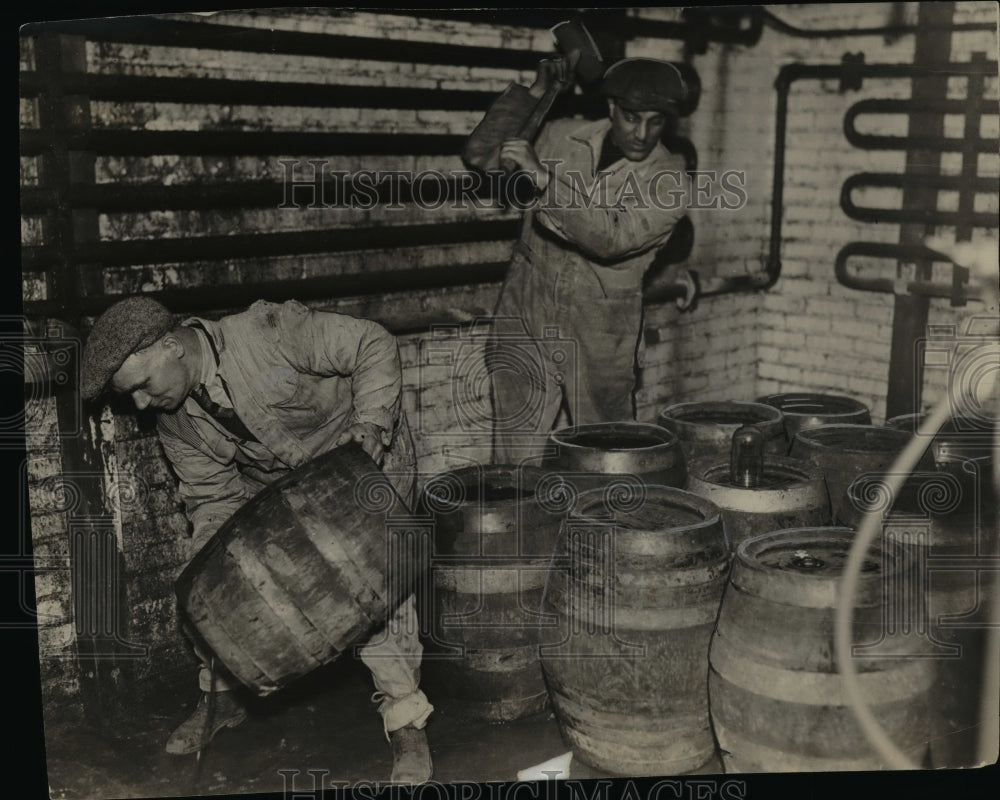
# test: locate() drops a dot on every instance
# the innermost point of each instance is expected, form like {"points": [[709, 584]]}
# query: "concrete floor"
{"points": [[324, 728], [323, 723]]}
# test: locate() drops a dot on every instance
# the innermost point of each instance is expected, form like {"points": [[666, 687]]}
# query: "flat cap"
{"points": [[129, 325], [644, 84]]}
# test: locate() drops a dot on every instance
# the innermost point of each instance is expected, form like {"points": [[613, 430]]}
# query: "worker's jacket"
{"points": [[297, 378], [585, 245], [612, 235]]}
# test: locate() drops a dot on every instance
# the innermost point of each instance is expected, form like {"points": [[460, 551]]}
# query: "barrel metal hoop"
{"points": [[900, 681]]}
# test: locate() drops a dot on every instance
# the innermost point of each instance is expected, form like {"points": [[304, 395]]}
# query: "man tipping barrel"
{"points": [[608, 195], [241, 401]]}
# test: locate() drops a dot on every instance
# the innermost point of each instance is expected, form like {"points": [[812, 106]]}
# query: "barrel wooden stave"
{"points": [[805, 410], [666, 729], [623, 454], [706, 429], [793, 495], [626, 664], [846, 452], [490, 564], [298, 574], [777, 699]]}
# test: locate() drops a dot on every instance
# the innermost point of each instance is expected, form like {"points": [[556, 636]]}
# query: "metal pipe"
{"points": [[851, 68], [251, 143], [330, 287], [851, 71], [901, 180], [909, 106], [316, 288], [146, 30], [927, 216], [910, 313], [781, 26], [211, 248], [152, 89], [327, 191], [696, 26], [895, 252], [864, 141]]}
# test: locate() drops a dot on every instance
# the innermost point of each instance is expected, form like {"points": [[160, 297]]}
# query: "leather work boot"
{"points": [[411, 757], [211, 715]]}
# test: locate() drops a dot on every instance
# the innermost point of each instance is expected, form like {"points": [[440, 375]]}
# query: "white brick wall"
{"points": [[813, 334]]}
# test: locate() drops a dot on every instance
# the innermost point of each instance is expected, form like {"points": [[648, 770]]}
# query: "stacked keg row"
{"points": [[668, 590], [678, 602]]}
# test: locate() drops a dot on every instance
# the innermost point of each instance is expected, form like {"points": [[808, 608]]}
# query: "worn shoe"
{"points": [[411, 757], [211, 715]]}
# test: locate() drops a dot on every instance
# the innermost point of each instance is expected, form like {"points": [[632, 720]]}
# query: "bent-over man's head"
{"points": [[136, 348], [643, 99]]}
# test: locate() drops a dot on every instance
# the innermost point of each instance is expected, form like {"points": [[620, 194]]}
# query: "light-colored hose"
{"points": [[870, 528], [981, 259]]}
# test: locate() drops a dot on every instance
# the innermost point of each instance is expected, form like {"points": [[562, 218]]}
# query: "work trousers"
{"points": [[392, 655], [558, 338]]}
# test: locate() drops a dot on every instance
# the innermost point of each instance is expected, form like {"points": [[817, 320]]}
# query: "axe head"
{"points": [[572, 35]]}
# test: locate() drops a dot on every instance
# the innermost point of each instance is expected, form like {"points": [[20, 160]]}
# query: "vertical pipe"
{"points": [[104, 667], [909, 319], [773, 266]]}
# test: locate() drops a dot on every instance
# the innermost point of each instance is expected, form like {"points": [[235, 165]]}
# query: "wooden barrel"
{"points": [[620, 457], [778, 703], [959, 439], [947, 523], [792, 494], [493, 538], [706, 429], [633, 592], [846, 452], [306, 569], [804, 410]]}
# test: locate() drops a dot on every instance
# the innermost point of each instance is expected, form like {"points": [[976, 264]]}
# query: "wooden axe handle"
{"points": [[533, 122]]}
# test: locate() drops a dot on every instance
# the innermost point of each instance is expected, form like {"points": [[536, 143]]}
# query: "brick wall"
{"points": [[812, 334], [807, 333]]}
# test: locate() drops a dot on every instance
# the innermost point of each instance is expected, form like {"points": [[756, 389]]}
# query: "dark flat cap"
{"points": [[644, 84], [129, 325]]}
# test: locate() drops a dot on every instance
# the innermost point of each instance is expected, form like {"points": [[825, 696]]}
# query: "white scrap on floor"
{"points": [[554, 769]]}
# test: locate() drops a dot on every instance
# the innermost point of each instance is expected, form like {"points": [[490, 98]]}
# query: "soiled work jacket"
{"points": [[297, 379]]}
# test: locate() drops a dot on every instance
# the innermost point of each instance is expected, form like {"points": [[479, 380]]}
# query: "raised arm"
{"points": [[510, 111], [641, 218]]}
